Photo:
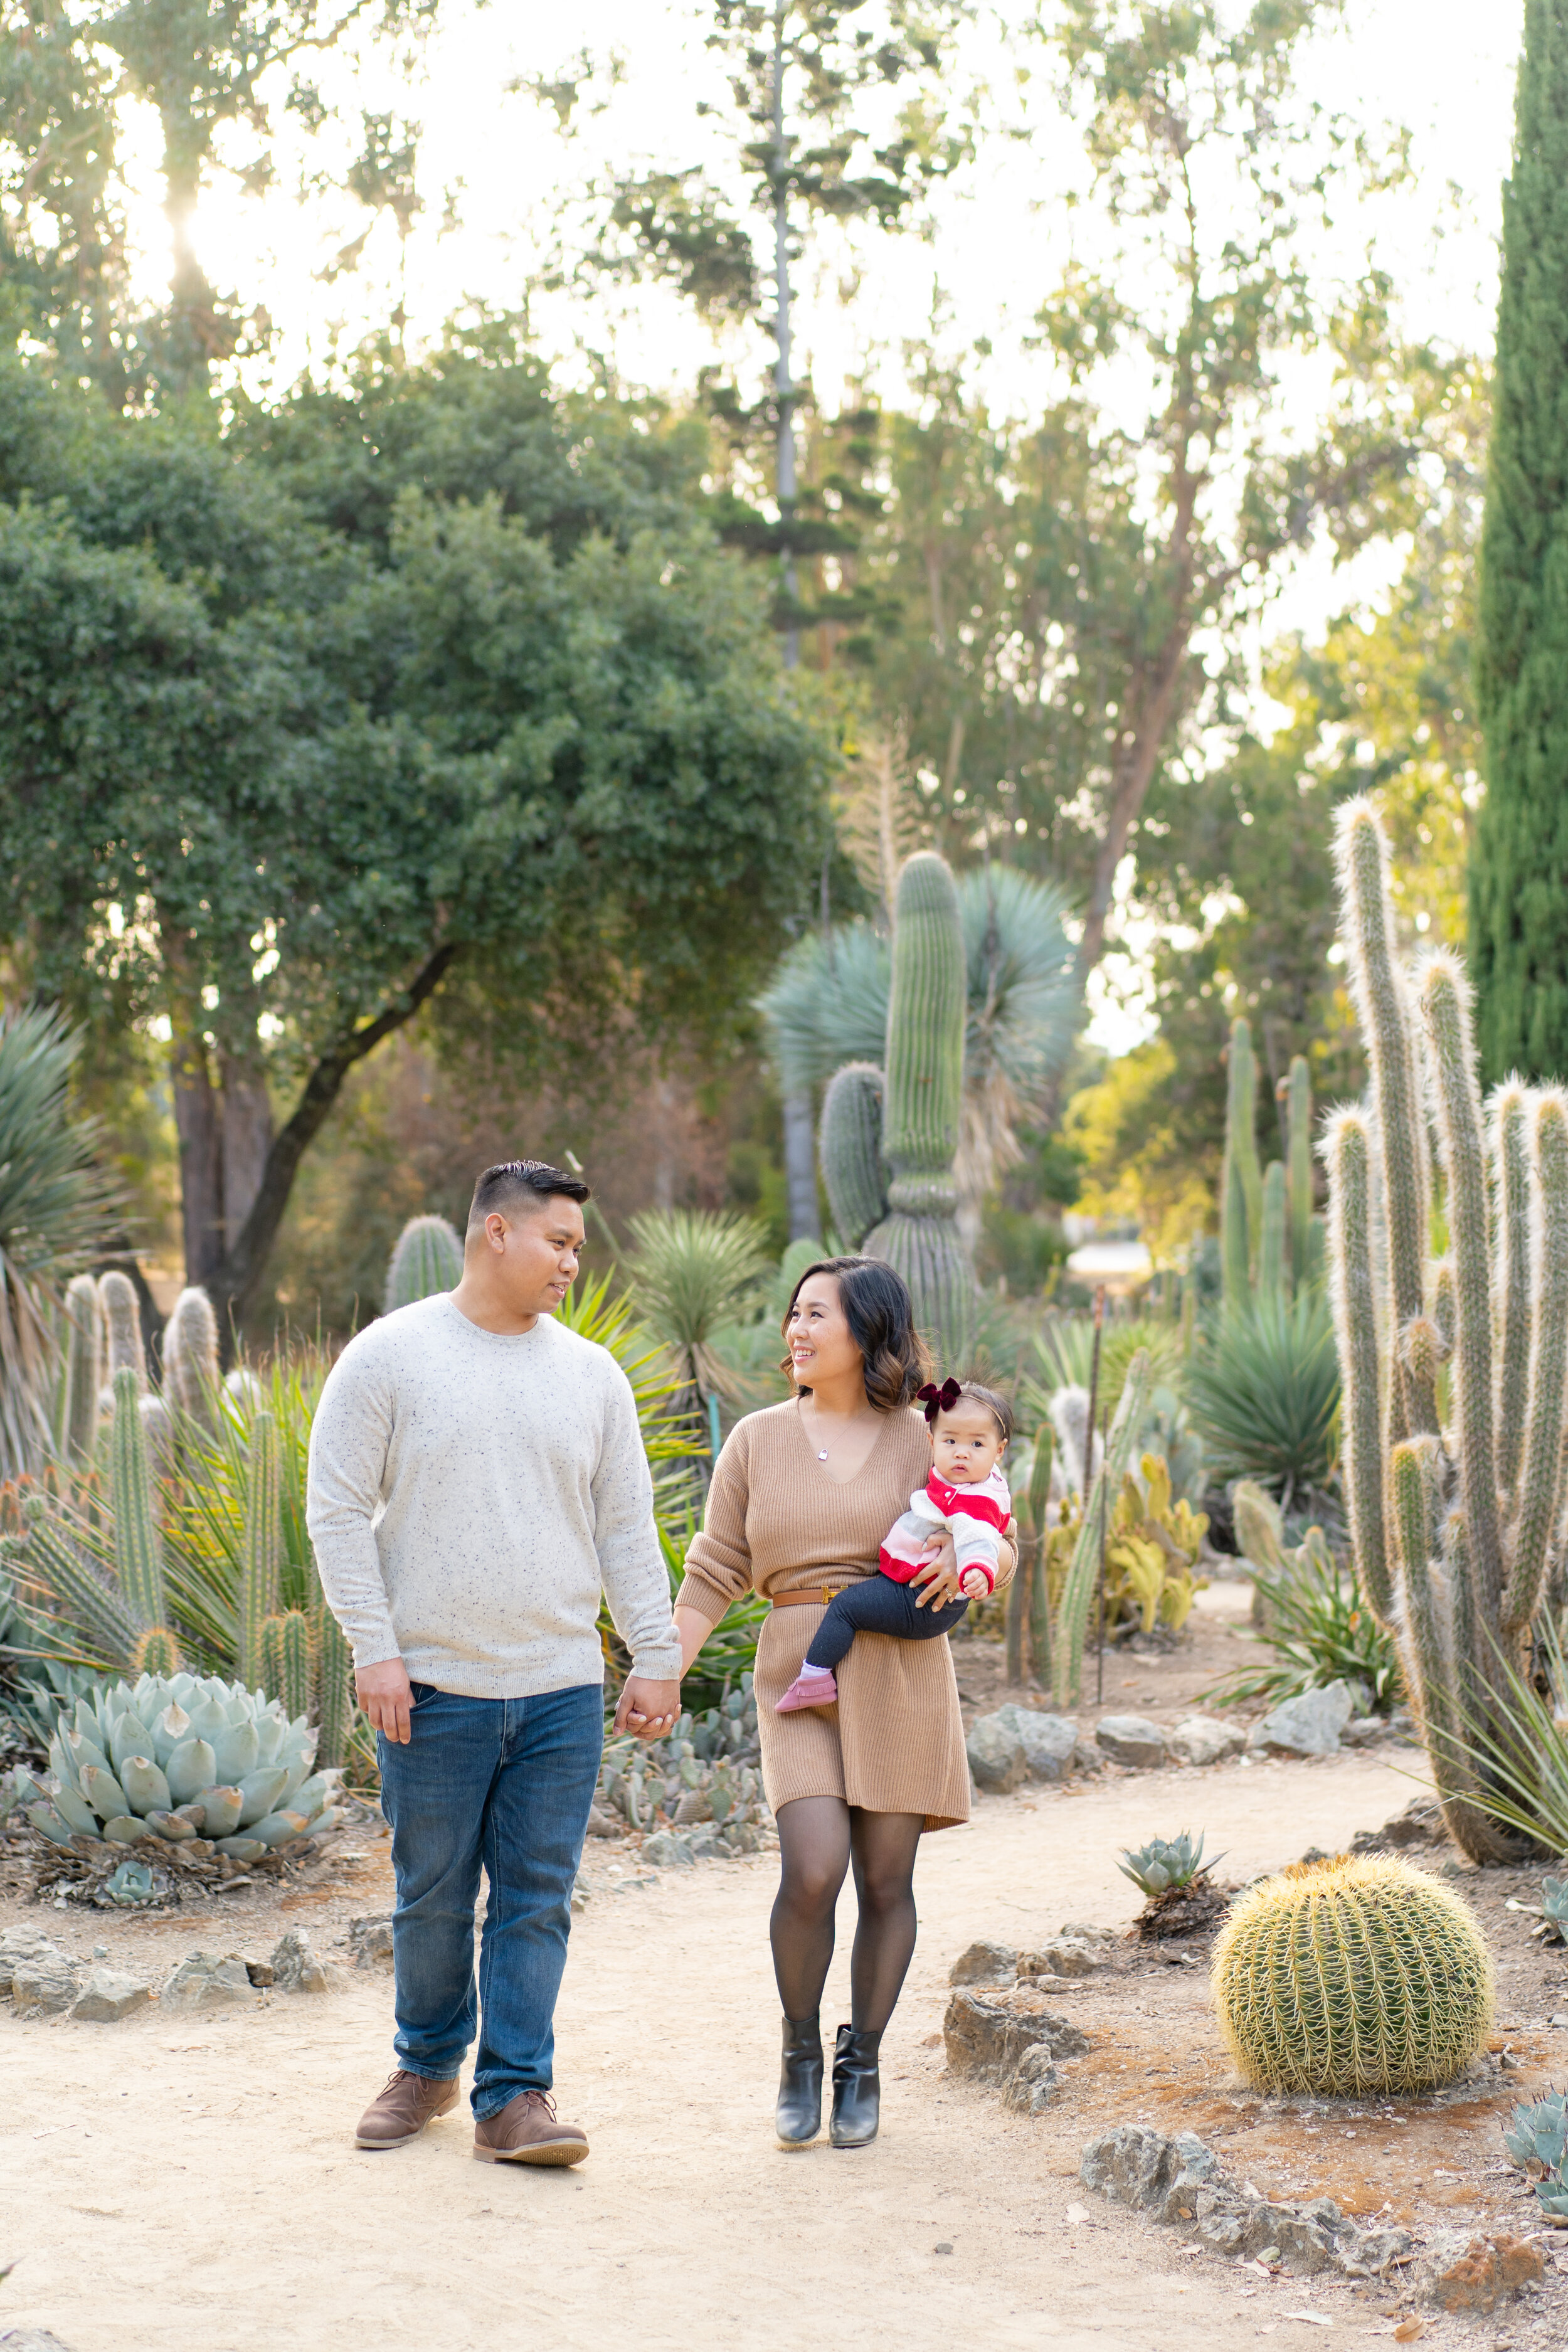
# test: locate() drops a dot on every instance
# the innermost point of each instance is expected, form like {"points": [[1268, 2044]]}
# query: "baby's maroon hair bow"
{"points": [[939, 1400]]}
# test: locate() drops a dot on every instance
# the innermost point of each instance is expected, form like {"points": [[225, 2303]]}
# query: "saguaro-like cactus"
{"points": [[851, 1148], [80, 1406], [1241, 1200], [926, 1011], [1457, 1530], [258, 1576], [191, 1375], [427, 1258], [138, 1553], [334, 1682]]}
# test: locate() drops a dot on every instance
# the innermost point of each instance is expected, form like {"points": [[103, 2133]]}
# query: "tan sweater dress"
{"points": [[777, 1523]]}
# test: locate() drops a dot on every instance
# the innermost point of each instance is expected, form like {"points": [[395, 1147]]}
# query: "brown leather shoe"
{"points": [[401, 2113], [525, 2131]]}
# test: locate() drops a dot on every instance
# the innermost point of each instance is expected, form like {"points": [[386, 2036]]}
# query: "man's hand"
{"points": [[939, 1577], [648, 1709], [387, 1697]]}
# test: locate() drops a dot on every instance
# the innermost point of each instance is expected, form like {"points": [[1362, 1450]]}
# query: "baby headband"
{"points": [[939, 1400]]}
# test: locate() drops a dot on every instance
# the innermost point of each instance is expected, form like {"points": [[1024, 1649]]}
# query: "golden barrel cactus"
{"points": [[1353, 1975]]}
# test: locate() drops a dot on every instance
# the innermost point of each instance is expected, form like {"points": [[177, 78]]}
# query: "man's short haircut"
{"points": [[522, 1184]]}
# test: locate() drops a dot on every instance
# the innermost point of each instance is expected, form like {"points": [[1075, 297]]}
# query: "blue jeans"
{"points": [[507, 1782]]}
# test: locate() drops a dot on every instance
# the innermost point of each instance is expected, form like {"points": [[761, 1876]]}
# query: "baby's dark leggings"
{"points": [[878, 1605]]}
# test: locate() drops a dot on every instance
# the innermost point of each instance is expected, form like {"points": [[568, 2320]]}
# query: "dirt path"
{"points": [[191, 2184]]}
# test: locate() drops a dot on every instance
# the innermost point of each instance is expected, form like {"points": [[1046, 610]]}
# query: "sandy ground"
{"points": [[193, 2183]]}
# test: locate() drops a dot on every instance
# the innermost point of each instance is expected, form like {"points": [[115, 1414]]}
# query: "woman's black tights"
{"points": [[819, 1838]]}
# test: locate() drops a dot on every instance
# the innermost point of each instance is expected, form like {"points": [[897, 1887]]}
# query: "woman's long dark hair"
{"points": [[881, 1319]]}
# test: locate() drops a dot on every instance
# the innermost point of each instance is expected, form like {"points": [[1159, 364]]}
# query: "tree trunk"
{"points": [[800, 1166], [196, 1122], [247, 1133], [784, 389]]}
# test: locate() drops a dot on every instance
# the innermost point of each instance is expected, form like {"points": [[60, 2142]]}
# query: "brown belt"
{"points": [[817, 1599]]}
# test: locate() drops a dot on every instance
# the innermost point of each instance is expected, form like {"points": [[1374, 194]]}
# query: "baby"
{"points": [[967, 1496]]}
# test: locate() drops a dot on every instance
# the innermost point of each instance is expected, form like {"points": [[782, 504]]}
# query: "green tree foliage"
{"points": [[433, 691], [1519, 929]]}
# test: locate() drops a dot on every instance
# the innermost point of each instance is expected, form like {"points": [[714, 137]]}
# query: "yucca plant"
{"points": [[691, 1271], [1264, 1391], [1318, 1630], [670, 1438], [56, 1205]]}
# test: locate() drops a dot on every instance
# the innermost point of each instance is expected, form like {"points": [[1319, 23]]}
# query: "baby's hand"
{"points": [[974, 1584]]}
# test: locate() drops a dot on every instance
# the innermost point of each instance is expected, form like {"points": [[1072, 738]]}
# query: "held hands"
{"points": [[386, 1696], [648, 1708]]}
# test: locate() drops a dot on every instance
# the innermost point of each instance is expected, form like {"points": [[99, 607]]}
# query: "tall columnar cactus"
{"points": [[124, 1351], [922, 1099], [81, 1402], [851, 1149], [334, 1682], [260, 1542], [191, 1375], [427, 1258], [1457, 1530], [137, 1552], [1241, 1203], [1352, 1977], [1083, 1571], [1306, 1230]]}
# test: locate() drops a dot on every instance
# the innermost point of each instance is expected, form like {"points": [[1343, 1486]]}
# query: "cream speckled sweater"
{"points": [[471, 1491]]}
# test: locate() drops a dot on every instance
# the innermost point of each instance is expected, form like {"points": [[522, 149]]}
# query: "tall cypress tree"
{"points": [[1519, 868]]}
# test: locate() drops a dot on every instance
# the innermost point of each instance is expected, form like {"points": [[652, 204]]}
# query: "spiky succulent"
{"points": [[1554, 1907], [1163, 1862], [203, 1764], [1536, 2136]]}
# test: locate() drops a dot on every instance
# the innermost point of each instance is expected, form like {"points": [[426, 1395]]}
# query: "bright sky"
{"points": [[492, 162]]}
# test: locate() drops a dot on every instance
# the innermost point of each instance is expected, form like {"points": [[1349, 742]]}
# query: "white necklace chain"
{"points": [[822, 1451]]}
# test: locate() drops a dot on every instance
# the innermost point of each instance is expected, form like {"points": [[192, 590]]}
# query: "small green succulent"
{"points": [[130, 1885], [1554, 1906], [1164, 1863]]}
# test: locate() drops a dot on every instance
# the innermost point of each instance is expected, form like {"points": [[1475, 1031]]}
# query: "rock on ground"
{"points": [[1307, 1725], [984, 1963], [1489, 2273], [1131, 1739], [1200, 1740], [295, 1967], [45, 1984], [1179, 2182], [989, 2040], [31, 2339], [1064, 1956], [1049, 1741], [996, 1755], [208, 1981], [107, 1995], [370, 1939], [21, 1944]]}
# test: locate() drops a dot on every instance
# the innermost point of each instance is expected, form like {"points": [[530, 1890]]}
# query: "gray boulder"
{"points": [[664, 1851], [996, 1755], [370, 1940], [984, 1963], [1307, 1725], [107, 1995], [1034, 2082], [1200, 1740], [987, 2040], [19, 1943], [1131, 1739], [294, 1964], [208, 1981], [1064, 1956], [1049, 1740], [31, 2339], [46, 1984]]}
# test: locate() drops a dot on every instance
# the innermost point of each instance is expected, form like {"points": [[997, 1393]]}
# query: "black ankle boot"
{"points": [[798, 2117], [856, 2088]]}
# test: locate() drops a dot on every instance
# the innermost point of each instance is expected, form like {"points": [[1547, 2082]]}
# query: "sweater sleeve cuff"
{"points": [[660, 1662], [696, 1592]]}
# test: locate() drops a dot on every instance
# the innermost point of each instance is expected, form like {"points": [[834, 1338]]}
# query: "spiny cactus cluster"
{"points": [[1270, 1241], [206, 1765], [1456, 1503], [1353, 1975], [426, 1257], [1151, 1545], [1536, 2136], [890, 1140], [705, 1770]]}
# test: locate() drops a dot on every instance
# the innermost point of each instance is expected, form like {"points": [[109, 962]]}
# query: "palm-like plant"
{"points": [[1264, 1391], [55, 1208], [828, 1005], [693, 1271]]}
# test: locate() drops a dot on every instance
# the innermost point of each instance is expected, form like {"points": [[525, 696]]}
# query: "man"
{"points": [[477, 1476]]}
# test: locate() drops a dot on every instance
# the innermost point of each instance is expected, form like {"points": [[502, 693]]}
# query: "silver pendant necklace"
{"points": [[823, 1455]]}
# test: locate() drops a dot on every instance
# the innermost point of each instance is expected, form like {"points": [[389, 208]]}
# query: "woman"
{"points": [[803, 1495]]}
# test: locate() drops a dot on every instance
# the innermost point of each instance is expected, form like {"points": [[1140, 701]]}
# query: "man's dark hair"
{"points": [[527, 1183], [881, 1319]]}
